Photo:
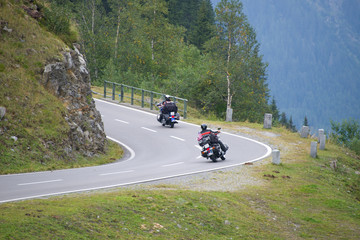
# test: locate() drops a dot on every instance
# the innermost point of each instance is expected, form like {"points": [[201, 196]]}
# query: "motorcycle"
{"points": [[168, 119], [211, 149]]}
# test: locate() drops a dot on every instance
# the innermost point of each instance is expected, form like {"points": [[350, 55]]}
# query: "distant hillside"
{"points": [[313, 51]]}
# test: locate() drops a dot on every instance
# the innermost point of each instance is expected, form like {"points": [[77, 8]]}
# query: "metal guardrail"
{"points": [[125, 93]]}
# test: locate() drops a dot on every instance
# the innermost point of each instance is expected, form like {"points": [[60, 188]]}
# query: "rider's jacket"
{"points": [[168, 106], [208, 133]]}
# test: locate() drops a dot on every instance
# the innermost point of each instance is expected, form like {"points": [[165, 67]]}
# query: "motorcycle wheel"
{"points": [[213, 158], [172, 125]]}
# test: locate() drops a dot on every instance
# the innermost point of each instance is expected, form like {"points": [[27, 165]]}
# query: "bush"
{"points": [[347, 133], [55, 20], [355, 145]]}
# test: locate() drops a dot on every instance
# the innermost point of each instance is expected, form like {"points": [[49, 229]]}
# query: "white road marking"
{"points": [[112, 173], [198, 147], [173, 164], [121, 121], [132, 152], [148, 129], [178, 138], [132, 157], [32, 183]]}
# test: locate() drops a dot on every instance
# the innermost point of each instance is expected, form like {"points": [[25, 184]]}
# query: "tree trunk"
{"points": [[93, 34], [229, 96], [229, 110], [117, 34], [93, 17], [153, 41]]}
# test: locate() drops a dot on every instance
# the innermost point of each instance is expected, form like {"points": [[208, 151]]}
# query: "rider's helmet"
{"points": [[167, 98], [203, 126]]}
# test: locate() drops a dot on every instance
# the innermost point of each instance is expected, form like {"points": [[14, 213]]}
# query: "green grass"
{"points": [[16, 165], [306, 199], [34, 130]]}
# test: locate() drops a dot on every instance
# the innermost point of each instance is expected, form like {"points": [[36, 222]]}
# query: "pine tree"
{"points": [[291, 125], [283, 119], [184, 13], [274, 110], [305, 123], [204, 27]]}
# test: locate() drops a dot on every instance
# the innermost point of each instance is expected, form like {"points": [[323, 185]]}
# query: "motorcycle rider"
{"points": [[166, 107], [213, 137]]}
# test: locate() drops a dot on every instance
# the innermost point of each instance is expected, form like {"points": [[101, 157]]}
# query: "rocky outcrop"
{"points": [[69, 80]]}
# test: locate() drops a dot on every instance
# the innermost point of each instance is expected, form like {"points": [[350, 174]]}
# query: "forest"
{"points": [[313, 53], [185, 48]]}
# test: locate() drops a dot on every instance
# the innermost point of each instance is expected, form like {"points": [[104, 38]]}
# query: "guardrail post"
{"points": [[142, 98], [185, 103], [132, 95], [104, 89], [151, 100], [122, 93], [113, 92]]}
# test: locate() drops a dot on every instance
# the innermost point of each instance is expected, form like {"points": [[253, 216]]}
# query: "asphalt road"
{"points": [[153, 152]]}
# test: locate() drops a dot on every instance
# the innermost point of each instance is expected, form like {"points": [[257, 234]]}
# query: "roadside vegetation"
{"points": [[302, 198], [33, 129]]}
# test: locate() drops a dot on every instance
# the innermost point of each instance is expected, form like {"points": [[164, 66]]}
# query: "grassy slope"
{"points": [[306, 199], [33, 116]]}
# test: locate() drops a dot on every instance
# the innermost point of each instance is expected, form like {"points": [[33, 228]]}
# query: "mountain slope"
{"points": [[49, 115], [313, 51]]}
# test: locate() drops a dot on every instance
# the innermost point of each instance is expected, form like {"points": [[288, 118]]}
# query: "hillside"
{"points": [[48, 115], [312, 48], [303, 198]]}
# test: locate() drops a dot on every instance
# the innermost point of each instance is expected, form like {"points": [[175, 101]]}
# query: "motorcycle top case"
{"points": [[202, 140]]}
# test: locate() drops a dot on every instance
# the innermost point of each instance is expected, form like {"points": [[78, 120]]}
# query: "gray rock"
{"points": [[267, 120], [313, 149], [2, 112], [322, 139], [305, 131], [9, 30], [276, 157]]}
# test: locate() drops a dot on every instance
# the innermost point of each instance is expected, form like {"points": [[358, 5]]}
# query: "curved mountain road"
{"points": [[153, 152]]}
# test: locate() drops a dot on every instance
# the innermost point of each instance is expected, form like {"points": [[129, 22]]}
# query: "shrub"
{"points": [[347, 133], [55, 20], [355, 145]]}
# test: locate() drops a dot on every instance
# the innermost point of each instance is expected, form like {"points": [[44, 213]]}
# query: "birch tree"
{"points": [[237, 73]]}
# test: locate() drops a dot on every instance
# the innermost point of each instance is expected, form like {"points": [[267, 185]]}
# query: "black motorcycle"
{"points": [[211, 147], [168, 119]]}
